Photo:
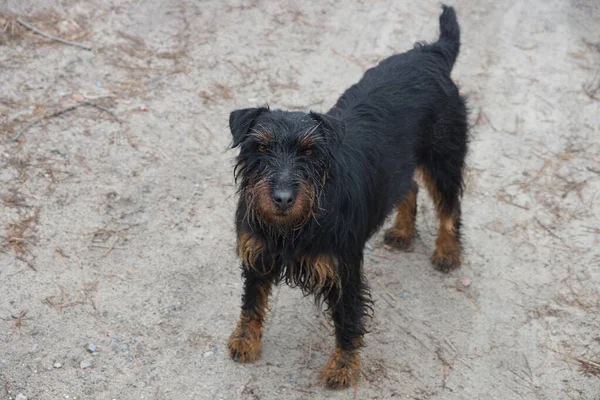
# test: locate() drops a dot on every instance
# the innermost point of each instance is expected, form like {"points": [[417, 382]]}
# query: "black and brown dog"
{"points": [[315, 187]]}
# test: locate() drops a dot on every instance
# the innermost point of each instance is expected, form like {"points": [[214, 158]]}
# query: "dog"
{"points": [[313, 188]]}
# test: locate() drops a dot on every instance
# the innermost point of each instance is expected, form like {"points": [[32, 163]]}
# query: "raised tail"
{"points": [[449, 41]]}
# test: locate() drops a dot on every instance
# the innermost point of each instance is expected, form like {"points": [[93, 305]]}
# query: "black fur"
{"points": [[403, 114]]}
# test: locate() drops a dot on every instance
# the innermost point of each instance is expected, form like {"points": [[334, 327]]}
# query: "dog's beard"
{"points": [[261, 210]]}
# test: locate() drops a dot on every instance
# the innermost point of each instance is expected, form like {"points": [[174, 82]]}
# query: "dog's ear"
{"points": [[332, 126], [241, 121]]}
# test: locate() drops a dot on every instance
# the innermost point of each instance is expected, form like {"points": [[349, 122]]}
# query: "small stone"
{"points": [[86, 363], [21, 396], [463, 283], [211, 62], [57, 365], [67, 27], [208, 354], [116, 346], [91, 348]]}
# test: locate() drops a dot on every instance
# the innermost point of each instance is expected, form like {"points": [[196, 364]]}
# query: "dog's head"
{"points": [[283, 161]]}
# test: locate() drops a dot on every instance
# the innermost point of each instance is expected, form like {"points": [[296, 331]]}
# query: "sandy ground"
{"points": [[116, 230]]}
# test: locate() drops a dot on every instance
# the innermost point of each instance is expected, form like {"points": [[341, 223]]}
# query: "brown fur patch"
{"points": [[447, 255], [431, 188], [307, 140], [321, 271], [249, 248], [245, 342], [259, 201], [403, 231], [262, 137], [342, 370]]}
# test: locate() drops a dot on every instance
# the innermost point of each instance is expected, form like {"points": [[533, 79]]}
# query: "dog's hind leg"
{"points": [[402, 233], [442, 169], [448, 248]]}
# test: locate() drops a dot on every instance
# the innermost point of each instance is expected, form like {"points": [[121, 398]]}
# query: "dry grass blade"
{"points": [[51, 37], [36, 121], [589, 366], [19, 320], [551, 232], [20, 235]]}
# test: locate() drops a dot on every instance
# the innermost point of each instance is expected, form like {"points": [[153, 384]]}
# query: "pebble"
{"points": [[91, 348], [78, 97], [210, 352], [86, 363], [21, 396], [57, 365], [121, 347], [116, 346], [463, 283]]}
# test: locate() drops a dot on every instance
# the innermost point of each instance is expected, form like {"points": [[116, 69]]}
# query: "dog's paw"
{"points": [[446, 262], [342, 370], [244, 347], [398, 239]]}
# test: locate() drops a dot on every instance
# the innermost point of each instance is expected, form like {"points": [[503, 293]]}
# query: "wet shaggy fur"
{"points": [[313, 188]]}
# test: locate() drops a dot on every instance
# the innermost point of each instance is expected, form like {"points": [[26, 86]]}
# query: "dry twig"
{"points": [[36, 121], [51, 37], [19, 320], [589, 366], [551, 232]]}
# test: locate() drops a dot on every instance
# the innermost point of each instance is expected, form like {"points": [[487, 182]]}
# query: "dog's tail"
{"points": [[449, 41]]}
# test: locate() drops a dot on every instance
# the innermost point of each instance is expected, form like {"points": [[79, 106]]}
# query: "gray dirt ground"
{"points": [[120, 235]]}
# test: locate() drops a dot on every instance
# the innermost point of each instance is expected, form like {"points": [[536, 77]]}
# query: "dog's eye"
{"points": [[307, 152], [262, 148]]}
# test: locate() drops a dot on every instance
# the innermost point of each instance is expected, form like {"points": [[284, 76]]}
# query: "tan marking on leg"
{"points": [[249, 248], [448, 250], [447, 255], [245, 342], [431, 188], [403, 231], [342, 370]]}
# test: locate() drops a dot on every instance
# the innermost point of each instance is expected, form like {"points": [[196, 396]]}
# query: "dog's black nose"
{"points": [[283, 198]]}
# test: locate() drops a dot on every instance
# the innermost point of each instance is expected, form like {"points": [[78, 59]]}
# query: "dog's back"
{"points": [[391, 112], [401, 78]]}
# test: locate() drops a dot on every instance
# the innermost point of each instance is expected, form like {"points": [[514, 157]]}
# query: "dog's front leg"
{"points": [[246, 340], [349, 303]]}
